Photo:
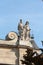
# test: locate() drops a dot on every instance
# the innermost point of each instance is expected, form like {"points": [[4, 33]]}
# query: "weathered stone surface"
{"points": [[13, 47], [9, 56], [22, 52]]}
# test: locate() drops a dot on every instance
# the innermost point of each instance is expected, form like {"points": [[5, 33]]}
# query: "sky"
{"points": [[11, 11]]}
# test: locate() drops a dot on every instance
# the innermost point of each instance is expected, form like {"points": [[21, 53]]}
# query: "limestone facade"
{"points": [[14, 46]]}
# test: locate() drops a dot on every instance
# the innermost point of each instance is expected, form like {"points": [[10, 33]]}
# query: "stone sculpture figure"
{"points": [[20, 29], [27, 30], [24, 31], [20, 25]]}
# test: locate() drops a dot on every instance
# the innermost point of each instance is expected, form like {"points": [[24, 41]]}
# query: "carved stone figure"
{"points": [[24, 31], [20, 25], [27, 30], [20, 28]]}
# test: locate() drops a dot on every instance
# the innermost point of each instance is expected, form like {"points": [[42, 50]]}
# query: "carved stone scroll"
{"points": [[11, 36], [11, 39]]}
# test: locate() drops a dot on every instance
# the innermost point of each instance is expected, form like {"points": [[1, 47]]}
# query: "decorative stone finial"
{"points": [[32, 36]]}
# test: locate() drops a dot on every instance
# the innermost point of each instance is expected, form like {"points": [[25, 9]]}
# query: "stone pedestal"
{"points": [[25, 43]]}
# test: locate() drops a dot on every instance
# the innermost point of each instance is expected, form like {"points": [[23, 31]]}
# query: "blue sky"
{"points": [[11, 11]]}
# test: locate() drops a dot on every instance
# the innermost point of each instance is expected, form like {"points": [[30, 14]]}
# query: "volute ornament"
{"points": [[11, 36]]}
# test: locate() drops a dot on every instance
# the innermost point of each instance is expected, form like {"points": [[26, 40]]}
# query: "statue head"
{"points": [[20, 20], [27, 23]]}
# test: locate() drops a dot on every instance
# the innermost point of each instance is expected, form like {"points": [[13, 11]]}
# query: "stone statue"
{"points": [[20, 29], [27, 30], [24, 31], [20, 25]]}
